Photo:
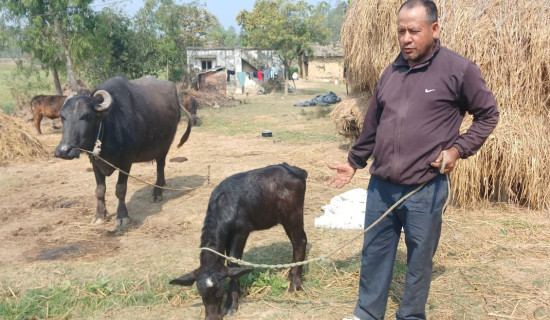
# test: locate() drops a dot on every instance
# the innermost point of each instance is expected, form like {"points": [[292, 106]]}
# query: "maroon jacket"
{"points": [[415, 113]]}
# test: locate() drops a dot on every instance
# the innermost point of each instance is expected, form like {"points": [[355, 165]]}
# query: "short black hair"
{"points": [[429, 5]]}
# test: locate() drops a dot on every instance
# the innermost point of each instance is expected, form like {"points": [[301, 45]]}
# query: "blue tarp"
{"points": [[321, 100]]}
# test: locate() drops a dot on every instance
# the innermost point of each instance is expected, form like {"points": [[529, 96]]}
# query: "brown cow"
{"points": [[190, 104], [46, 106]]}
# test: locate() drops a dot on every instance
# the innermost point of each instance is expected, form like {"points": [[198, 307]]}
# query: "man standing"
{"points": [[414, 117]]}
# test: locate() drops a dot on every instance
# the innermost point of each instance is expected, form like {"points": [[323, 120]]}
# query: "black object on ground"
{"points": [[322, 100]]}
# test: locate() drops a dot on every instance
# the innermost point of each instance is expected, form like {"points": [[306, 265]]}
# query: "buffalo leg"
{"points": [[161, 181], [297, 236], [236, 248], [101, 211], [120, 192], [37, 118]]}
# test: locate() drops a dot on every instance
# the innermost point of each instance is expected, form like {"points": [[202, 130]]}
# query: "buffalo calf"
{"points": [[46, 106], [254, 200]]}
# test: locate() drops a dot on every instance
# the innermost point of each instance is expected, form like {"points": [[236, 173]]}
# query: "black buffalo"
{"points": [[254, 200], [135, 121]]}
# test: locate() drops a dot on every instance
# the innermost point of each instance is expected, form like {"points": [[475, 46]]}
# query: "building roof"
{"points": [[215, 69], [225, 48], [331, 50]]}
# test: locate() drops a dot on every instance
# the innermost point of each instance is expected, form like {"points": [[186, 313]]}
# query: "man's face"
{"points": [[416, 36]]}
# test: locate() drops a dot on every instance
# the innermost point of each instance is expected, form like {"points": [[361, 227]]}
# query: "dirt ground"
{"points": [[492, 262]]}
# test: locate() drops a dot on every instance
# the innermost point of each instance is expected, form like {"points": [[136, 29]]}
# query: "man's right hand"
{"points": [[344, 173]]}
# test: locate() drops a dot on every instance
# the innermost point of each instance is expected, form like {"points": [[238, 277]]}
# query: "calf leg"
{"points": [[101, 211], [36, 120], [161, 181], [236, 248], [120, 192], [297, 236]]}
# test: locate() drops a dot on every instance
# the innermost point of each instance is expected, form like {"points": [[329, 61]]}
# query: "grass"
{"points": [[77, 298], [28, 84], [288, 123], [7, 69]]}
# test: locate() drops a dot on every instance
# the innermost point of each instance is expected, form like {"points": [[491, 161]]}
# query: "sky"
{"points": [[225, 10]]}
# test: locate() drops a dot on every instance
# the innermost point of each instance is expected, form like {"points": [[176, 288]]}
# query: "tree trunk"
{"points": [[55, 77], [285, 77], [65, 45], [300, 66]]}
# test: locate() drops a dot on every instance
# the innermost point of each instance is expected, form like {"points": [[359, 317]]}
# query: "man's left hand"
{"points": [[450, 161]]}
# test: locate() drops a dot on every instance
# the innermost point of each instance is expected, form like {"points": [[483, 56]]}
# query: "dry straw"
{"points": [[510, 43], [16, 144]]}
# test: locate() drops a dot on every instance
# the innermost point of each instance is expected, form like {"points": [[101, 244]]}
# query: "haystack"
{"points": [[16, 144], [349, 114], [207, 99], [509, 42]]}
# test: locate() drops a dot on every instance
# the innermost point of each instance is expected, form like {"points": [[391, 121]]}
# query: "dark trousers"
{"points": [[421, 218]]}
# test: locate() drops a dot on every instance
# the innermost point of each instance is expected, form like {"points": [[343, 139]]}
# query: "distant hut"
{"points": [[325, 64], [213, 80], [510, 43]]}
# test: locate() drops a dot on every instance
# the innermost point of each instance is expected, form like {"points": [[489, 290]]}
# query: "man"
{"points": [[413, 118]]}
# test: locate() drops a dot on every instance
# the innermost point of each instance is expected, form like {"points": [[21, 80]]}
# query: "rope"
{"points": [[322, 257], [96, 156], [299, 263], [326, 256]]}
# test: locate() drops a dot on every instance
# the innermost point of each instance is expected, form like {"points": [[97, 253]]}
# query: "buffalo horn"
{"points": [[106, 100]]}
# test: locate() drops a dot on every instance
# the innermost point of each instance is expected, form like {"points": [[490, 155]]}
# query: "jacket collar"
{"points": [[400, 61]]}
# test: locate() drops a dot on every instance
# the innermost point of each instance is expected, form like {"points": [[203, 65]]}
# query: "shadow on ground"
{"points": [[140, 206]]}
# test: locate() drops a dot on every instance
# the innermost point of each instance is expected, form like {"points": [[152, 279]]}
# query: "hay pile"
{"points": [[206, 99], [349, 114], [16, 144], [510, 44]]}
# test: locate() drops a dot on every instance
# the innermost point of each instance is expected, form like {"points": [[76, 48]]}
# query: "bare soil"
{"points": [[492, 261]]}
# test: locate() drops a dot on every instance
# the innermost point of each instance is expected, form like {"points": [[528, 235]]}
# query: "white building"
{"points": [[233, 59]]}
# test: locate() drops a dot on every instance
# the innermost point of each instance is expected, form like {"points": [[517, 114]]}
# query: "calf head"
{"points": [[210, 284], [80, 116]]}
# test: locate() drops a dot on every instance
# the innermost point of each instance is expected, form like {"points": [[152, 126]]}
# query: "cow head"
{"points": [[210, 285], [81, 116]]}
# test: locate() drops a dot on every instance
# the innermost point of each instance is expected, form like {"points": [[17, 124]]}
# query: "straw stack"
{"points": [[16, 144]]}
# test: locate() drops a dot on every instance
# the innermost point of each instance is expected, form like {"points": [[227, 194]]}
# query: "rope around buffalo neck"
{"points": [[326, 256], [97, 146]]}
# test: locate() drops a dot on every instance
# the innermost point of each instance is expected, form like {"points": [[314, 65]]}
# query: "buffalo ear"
{"points": [[235, 273], [185, 280]]}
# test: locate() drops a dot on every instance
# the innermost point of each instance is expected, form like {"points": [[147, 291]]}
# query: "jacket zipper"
{"points": [[397, 163]]}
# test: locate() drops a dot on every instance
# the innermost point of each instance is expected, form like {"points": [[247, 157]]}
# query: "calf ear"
{"points": [[185, 280], [235, 273]]}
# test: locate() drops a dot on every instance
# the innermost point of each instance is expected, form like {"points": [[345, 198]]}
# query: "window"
{"points": [[206, 64]]}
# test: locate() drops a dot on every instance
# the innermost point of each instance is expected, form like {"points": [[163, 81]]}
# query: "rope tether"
{"points": [[300, 263], [326, 256], [129, 175], [322, 257]]}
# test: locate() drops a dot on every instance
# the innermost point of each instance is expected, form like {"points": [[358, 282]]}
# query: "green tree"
{"points": [[285, 26], [176, 27], [46, 29], [218, 36], [118, 49], [335, 19]]}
